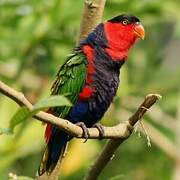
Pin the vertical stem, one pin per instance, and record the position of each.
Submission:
(91, 17)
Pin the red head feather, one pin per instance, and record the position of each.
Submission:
(121, 33)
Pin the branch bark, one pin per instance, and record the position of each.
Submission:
(91, 17)
(119, 131)
(122, 130)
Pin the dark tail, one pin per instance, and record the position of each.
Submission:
(54, 151)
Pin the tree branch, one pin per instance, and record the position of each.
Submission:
(121, 130)
(91, 17)
(111, 146)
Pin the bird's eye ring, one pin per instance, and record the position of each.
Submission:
(125, 22)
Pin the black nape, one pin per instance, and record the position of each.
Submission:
(120, 18)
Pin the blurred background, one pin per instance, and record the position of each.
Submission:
(35, 38)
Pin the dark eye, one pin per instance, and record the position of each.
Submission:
(125, 22)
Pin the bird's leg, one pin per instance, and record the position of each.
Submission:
(85, 130)
(100, 129)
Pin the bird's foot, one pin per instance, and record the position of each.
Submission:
(100, 129)
(85, 130)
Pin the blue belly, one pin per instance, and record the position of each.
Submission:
(81, 112)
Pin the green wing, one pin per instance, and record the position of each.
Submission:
(69, 81)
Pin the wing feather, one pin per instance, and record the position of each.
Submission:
(69, 81)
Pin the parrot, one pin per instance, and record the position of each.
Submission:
(90, 77)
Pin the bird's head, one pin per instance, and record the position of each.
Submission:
(121, 33)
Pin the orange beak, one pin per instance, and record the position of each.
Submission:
(139, 31)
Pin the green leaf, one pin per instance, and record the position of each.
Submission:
(19, 116)
(23, 114)
(52, 101)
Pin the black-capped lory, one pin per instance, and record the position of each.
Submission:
(90, 78)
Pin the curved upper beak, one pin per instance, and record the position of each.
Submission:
(139, 31)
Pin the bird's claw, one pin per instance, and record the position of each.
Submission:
(100, 129)
(85, 130)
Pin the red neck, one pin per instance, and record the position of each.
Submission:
(120, 39)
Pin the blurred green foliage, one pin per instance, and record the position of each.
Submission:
(36, 36)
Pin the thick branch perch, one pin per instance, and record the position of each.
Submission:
(121, 130)
(118, 131)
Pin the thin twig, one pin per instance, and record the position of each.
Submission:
(163, 142)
